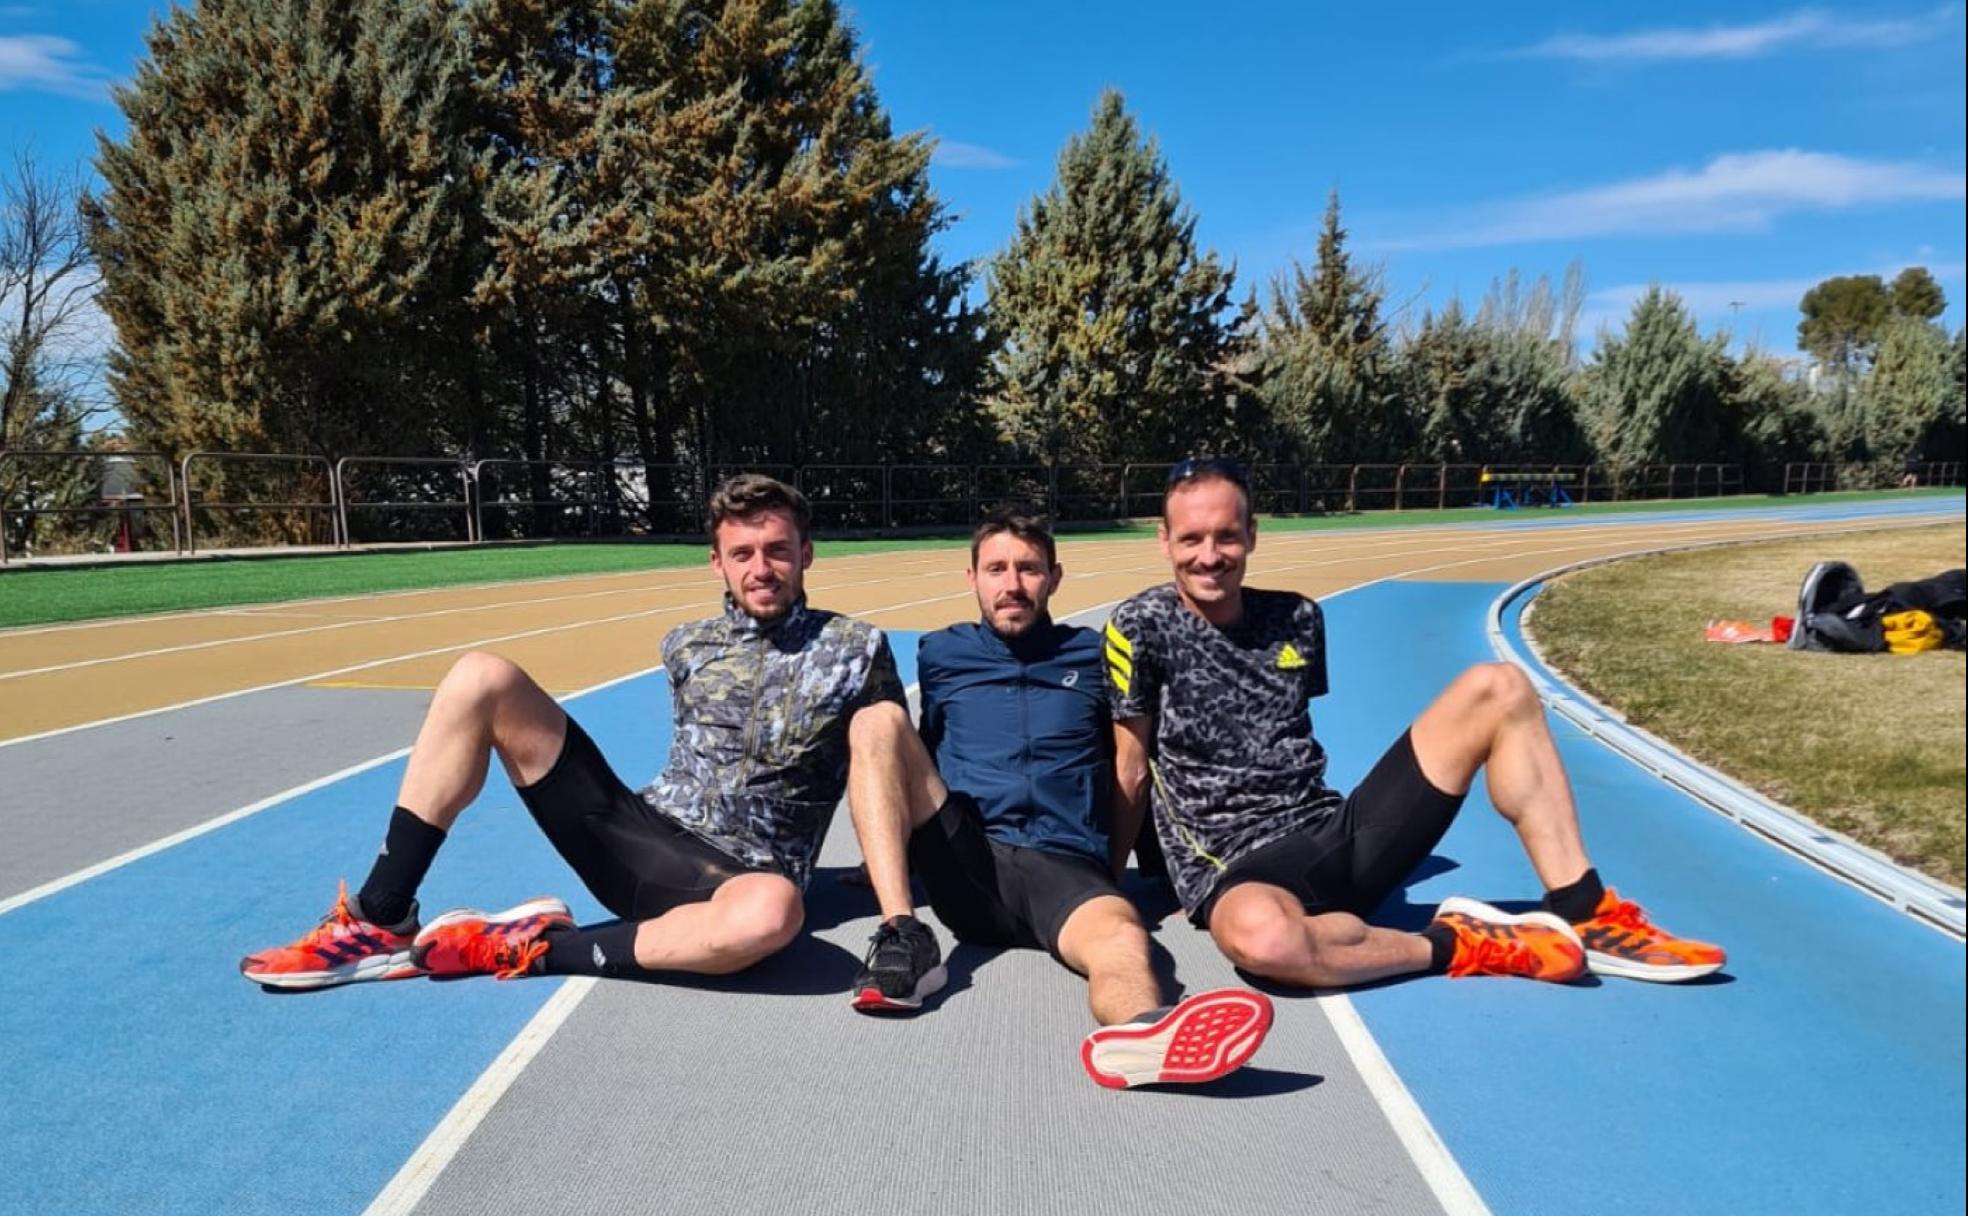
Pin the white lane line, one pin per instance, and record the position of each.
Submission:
(407, 1188)
(305, 630)
(1264, 571)
(210, 825)
(151, 618)
(336, 671)
(177, 838)
(1437, 1165)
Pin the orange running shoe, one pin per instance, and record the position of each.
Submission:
(1209, 1035)
(1490, 941)
(1620, 940)
(506, 944)
(342, 949)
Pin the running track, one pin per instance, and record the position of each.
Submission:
(1824, 1075)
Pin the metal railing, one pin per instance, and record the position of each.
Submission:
(1822, 477)
(251, 499)
(116, 503)
(276, 514)
(397, 485)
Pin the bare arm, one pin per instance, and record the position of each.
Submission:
(1130, 788)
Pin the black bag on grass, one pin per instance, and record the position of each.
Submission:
(1836, 612)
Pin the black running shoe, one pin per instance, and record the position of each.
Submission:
(903, 966)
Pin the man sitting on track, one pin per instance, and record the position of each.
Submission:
(778, 707)
(1014, 712)
(1210, 685)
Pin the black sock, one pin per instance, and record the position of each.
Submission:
(606, 950)
(1441, 948)
(390, 891)
(1578, 901)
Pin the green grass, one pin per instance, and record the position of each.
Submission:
(48, 595)
(1869, 745)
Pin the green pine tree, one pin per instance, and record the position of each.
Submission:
(1114, 341)
(771, 242)
(1910, 392)
(281, 230)
(1326, 359)
(1650, 392)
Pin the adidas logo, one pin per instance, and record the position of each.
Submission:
(1289, 659)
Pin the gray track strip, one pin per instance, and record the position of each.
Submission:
(767, 1091)
(72, 800)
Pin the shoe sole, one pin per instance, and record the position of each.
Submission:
(1482, 911)
(1627, 969)
(871, 999)
(545, 906)
(398, 966)
(1206, 1037)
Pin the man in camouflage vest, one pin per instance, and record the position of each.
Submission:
(779, 709)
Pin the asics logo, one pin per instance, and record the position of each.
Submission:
(1072, 678)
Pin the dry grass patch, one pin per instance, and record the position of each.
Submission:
(1869, 745)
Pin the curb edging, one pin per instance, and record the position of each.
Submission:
(1932, 903)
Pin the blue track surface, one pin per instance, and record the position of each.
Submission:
(142, 1074)
(1825, 1075)
(1925, 504)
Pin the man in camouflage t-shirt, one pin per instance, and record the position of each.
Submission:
(775, 705)
(1210, 682)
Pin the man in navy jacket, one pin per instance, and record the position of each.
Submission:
(1023, 852)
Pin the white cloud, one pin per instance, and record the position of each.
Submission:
(1738, 192)
(1806, 28)
(44, 63)
(954, 155)
(1725, 302)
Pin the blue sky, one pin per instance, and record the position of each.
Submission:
(1737, 157)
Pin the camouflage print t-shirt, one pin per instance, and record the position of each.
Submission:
(1233, 759)
(759, 758)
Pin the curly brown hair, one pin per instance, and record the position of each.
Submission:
(748, 494)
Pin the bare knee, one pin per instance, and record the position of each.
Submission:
(1119, 944)
(764, 922)
(1501, 687)
(1260, 936)
(481, 678)
(877, 725)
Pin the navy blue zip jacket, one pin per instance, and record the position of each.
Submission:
(1022, 726)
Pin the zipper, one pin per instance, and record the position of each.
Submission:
(1025, 739)
(751, 720)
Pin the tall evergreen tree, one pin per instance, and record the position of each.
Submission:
(1765, 417)
(1910, 391)
(1915, 294)
(774, 264)
(1326, 361)
(1111, 318)
(1498, 389)
(1650, 392)
(1842, 316)
(281, 228)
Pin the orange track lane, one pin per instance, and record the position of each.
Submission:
(576, 632)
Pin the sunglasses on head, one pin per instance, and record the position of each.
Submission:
(1209, 466)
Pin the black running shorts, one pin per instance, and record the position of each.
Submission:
(994, 894)
(1352, 859)
(637, 861)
